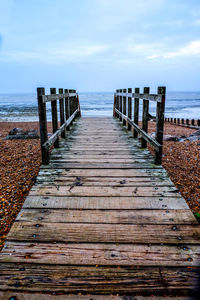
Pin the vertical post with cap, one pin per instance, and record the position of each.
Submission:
(54, 116)
(114, 106)
(43, 125)
(67, 107)
(78, 106)
(160, 123)
(136, 112)
(117, 104)
(71, 104)
(120, 104)
(145, 117)
(62, 115)
(129, 107)
(124, 106)
(74, 102)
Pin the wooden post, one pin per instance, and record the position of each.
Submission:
(117, 104)
(198, 122)
(120, 104)
(187, 121)
(129, 108)
(114, 106)
(62, 116)
(71, 101)
(171, 120)
(136, 112)
(160, 124)
(182, 121)
(175, 120)
(67, 108)
(124, 107)
(75, 103)
(54, 116)
(178, 120)
(145, 117)
(78, 106)
(43, 125)
(193, 122)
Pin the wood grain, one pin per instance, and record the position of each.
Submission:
(101, 219)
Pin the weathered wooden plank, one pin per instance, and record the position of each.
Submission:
(99, 280)
(100, 254)
(104, 216)
(99, 232)
(104, 172)
(98, 181)
(36, 296)
(100, 153)
(136, 165)
(103, 191)
(100, 160)
(107, 179)
(105, 202)
(112, 158)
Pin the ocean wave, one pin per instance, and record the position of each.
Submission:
(24, 107)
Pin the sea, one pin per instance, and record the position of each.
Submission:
(23, 107)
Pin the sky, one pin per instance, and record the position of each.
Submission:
(99, 45)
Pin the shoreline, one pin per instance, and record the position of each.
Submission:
(20, 161)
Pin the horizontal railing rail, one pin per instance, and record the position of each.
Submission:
(69, 110)
(123, 110)
(48, 98)
(150, 97)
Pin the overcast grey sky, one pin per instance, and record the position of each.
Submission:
(99, 45)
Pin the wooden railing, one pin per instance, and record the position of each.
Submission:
(184, 122)
(69, 110)
(123, 111)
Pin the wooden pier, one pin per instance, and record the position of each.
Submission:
(103, 221)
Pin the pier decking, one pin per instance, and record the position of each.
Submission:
(102, 219)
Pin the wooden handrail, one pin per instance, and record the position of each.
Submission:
(123, 100)
(144, 96)
(147, 137)
(48, 98)
(69, 110)
(53, 138)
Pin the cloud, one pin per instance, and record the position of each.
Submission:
(62, 54)
(193, 48)
(197, 22)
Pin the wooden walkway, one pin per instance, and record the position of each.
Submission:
(101, 219)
